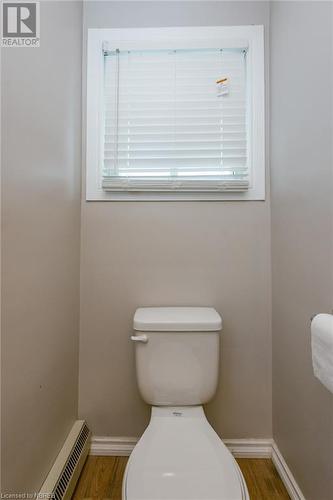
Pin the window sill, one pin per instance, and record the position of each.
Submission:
(249, 195)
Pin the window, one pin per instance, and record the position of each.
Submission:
(175, 113)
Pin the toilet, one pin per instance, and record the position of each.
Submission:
(179, 456)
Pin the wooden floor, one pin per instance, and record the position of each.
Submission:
(102, 478)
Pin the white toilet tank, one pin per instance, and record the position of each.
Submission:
(177, 354)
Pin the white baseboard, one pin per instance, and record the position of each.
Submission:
(250, 448)
(112, 446)
(123, 446)
(286, 475)
(240, 448)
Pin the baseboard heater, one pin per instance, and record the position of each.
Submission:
(62, 478)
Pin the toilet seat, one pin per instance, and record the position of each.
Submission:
(180, 457)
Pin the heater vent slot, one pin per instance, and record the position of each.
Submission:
(67, 473)
(64, 474)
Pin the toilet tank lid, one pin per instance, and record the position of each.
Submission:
(177, 319)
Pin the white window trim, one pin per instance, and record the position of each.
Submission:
(226, 36)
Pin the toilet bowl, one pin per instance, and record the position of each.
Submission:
(179, 456)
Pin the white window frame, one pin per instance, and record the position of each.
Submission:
(222, 37)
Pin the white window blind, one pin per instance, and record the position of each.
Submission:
(166, 129)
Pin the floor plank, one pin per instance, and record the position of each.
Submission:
(101, 479)
(262, 479)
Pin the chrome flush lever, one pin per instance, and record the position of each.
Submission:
(140, 338)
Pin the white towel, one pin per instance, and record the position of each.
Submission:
(322, 349)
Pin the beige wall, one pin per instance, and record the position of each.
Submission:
(302, 235)
(40, 234)
(204, 253)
